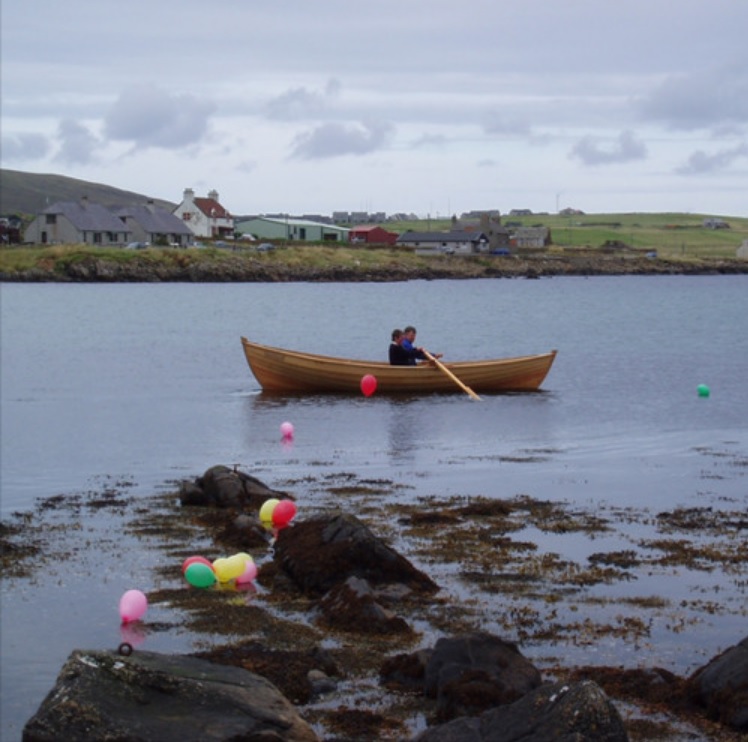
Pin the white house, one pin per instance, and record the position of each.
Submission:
(205, 216)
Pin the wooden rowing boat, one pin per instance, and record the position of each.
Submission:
(287, 371)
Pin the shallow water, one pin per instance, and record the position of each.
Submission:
(147, 383)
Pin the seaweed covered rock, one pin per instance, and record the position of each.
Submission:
(103, 695)
(578, 711)
(326, 550)
(721, 686)
(223, 487)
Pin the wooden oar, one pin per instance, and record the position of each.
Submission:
(445, 370)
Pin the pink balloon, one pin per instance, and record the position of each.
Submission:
(286, 430)
(132, 606)
(368, 385)
(249, 574)
(283, 513)
(195, 560)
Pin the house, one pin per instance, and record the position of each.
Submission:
(716, 224)
(489, 224)
(205, 217)
(290, 229)
(71, 222)
(148, 223)
(435, 243)
(372, 235)
(531, 237)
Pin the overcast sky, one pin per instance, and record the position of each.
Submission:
(422, 106)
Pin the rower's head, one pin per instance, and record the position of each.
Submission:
(397, 336)
(410, 333)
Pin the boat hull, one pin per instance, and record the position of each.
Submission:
(290, 372)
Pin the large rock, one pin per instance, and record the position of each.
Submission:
(102, 695)
(324, 551)
(466, 674)
(352, 606)
(469, 674)
(577, 712)
(227, 488)
(722, 686)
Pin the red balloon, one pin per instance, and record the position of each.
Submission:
(193, 559)
(283, 513)
(368, 385)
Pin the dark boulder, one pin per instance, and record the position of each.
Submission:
(352, 606)
(222, 487)
(324, 551)
(102, 695)
(577, 712)
(469, 674)
(721, 686)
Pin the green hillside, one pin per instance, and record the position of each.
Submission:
(28, 193)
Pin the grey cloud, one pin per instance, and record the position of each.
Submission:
(430, 140)
(77, 143)
(19, 147)
(497, 123)
(151, 117)
(301, 103)
(700, 162)
(712, 97)
(334, 140)
(591, 152)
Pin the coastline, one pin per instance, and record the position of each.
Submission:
(242, 268)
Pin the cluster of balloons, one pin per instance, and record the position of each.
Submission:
(277, 514)
(200, 572)
(132, 606)
(368, 385)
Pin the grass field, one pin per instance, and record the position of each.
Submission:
(673, 236)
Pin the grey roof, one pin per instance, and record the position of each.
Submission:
(88, 217)
(154, 221)
(442, 237)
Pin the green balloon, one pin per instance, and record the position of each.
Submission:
(200, 575)
(703, 390)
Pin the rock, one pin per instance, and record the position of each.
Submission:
(406, 672)
(148, 696)
(560, 712)
(721, 686)
(322, 552)
(352, 606)
(469, 674)
(227, 488)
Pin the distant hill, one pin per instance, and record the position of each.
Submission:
(29, 193)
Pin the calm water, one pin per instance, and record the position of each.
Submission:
(149, 383)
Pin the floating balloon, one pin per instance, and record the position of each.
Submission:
(703, 390)
(228, 568)
(286, 429)
(200, 575)
(368, 385)
(249, 574)
(132, 606)
(266, 511)
(284, 513)
(194, 560)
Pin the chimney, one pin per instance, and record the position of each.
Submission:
(213, 194)
(189, 194)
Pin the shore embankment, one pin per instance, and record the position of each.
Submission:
(310, 264)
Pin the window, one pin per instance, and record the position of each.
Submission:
(51, 219)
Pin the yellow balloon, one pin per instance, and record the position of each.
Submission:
(235, 566)
(222, 570)
(266, 511)
(245, 556)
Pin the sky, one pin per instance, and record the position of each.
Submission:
(421, 107)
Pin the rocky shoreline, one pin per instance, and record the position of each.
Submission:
(354, 636)
(240, 268)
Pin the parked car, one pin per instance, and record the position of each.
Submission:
(265, 246)
(501, 251)
(138, 245)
